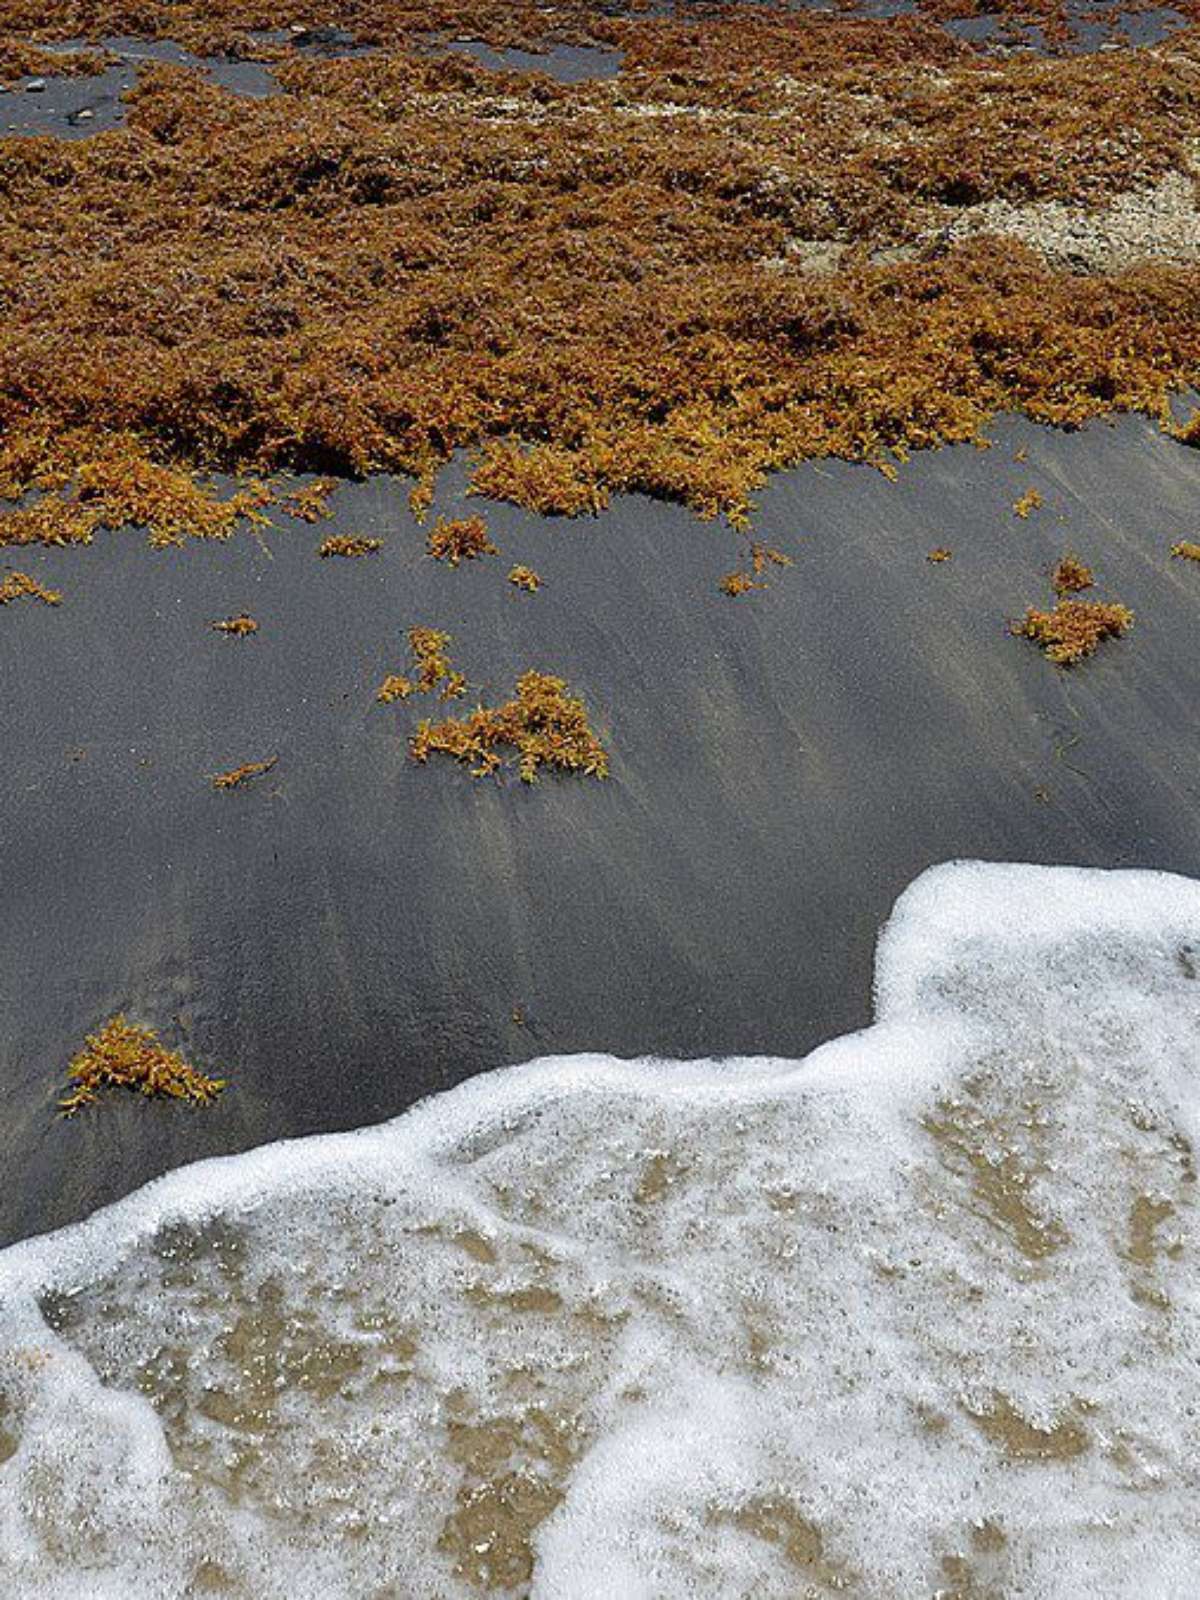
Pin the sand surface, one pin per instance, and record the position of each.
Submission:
(353, 932)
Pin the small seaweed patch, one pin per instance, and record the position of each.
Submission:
(238, 627)
(543, 726)
(432, 667)
(394, 687)
(1074, 628)
(344, 544)
(1028, 502)
(736, 583)
(463, 539)
(311, 504)
(1186, 549)
(15, 585)
(525, 578)
(764, 555)
(761, 557)
(939, 554)
(123, 1055)
(420, 496)
(242, 774)
(1071, 575)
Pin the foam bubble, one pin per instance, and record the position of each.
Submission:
(916, 1315)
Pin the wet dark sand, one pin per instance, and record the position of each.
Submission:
(77, 108)
(354, 931)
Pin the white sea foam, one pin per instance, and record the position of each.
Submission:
(915, 1316)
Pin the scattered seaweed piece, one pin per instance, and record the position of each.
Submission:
(394, 687)
(1028, 502)
(239, 627)
(433, 669)
(242, 774)
(525, 578)
(14, 585)
(461, 539)
(345, 544)
(420, 496)
(1189, 433)
(764, 555)
(1071, 576)
(429, 652)
(543, 725)
(735, 583)
(940, 554)
(1074, 628)
(1187, 549)
(311, 503)
(122, 1055)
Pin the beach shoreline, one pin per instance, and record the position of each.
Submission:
(352, 932)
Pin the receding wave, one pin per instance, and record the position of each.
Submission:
(914, 1316)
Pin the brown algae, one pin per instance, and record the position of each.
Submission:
(16, 585)
(463, 539)
(736, 583)
(432, 667)
(123, 1055)
(542, 726)
(1070, 576)
(1074, 628)
(243, 774)
(344, 544)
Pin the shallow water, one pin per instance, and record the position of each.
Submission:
(916, 1315)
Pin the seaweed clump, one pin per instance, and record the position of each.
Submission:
(463, 539)
(432, 667)
(242, 774)
(543, 725)
(92, 481)
(122, 1055)
(762, 556)
(238, 627)
(1187, 549)
(14, 585)
(1074, 628)
(311, 504)
(1028, 502)
(735, 583)
(1071, 576)
(939, 554)
(675, 288)
(525, 578)
(20, 59)
(345, 544)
